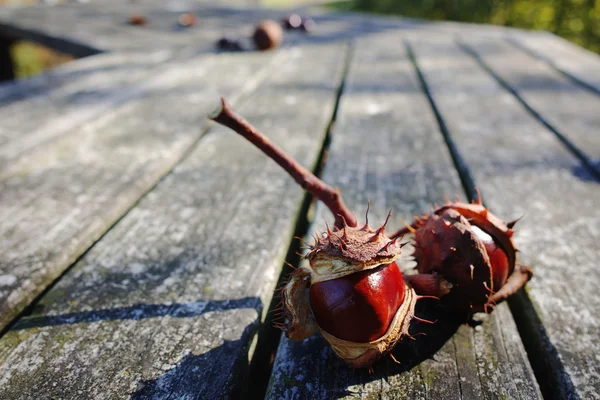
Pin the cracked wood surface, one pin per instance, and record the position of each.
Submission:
(147, 303)
(386, 147)
(91, 176)
(563, 104)
(167, 303)
(575, 61)
(523, 170)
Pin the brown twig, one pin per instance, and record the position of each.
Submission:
(331, 197)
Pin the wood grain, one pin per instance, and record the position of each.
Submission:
(564, 106)
(386, 147)
(522, 170)
(574, 61)
(58, 200)
(167, 303)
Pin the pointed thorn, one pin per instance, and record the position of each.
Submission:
(426, 321)
(472, 270)
(510, 232)
(345, 234)
(343, 219)
(410, 228)
(512, 223)
(328, 229)
(367, 213)
(447, 200)
(478, 200)
(290, 265)
(427, 297)
(484, 213)
(485, 285)
(394, 358)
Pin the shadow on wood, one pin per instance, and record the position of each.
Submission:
(141, 311)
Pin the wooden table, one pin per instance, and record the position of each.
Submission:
(140, 245)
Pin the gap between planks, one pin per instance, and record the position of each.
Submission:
(572, 147)
(544, 358)
(266, 342)
(236, 98)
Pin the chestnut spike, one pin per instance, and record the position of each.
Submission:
(447, 200)
(344, 223)
(386, 247)
(478, 200)
(329, 233)
(379, 233)
(290, 265)
(485, 285)
(512, 223)
(425, 321)
(366, 227)
(304, 242)
(427, 297)
(225, 115)
(394, 359)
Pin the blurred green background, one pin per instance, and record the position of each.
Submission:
(575, 20)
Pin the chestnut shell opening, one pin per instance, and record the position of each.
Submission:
(358, 307)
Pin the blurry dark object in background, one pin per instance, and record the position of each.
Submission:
(186, 20)
(268, 35)
(137, 20)
(292, 21)
(229, 44)
(296, 22)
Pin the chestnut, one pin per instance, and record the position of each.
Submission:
(267, 35)
(471, 248)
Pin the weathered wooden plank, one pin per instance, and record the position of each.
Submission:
(561, 104)
(167, 303)
(581, 65)
(522, 169)
(387, 147)
(59, 101)
(57, 200)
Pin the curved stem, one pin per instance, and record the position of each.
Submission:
(228, 117)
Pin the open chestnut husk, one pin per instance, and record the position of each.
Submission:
(469, 247)
(353, 292)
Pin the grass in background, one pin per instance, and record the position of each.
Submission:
(575, 20)
(30, 59)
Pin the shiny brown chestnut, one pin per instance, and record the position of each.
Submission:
(267, 35)
(358, 307)
(138, 20)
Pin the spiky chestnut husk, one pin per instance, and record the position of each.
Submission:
(472, 249)
(353, 293)
(352, 290)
